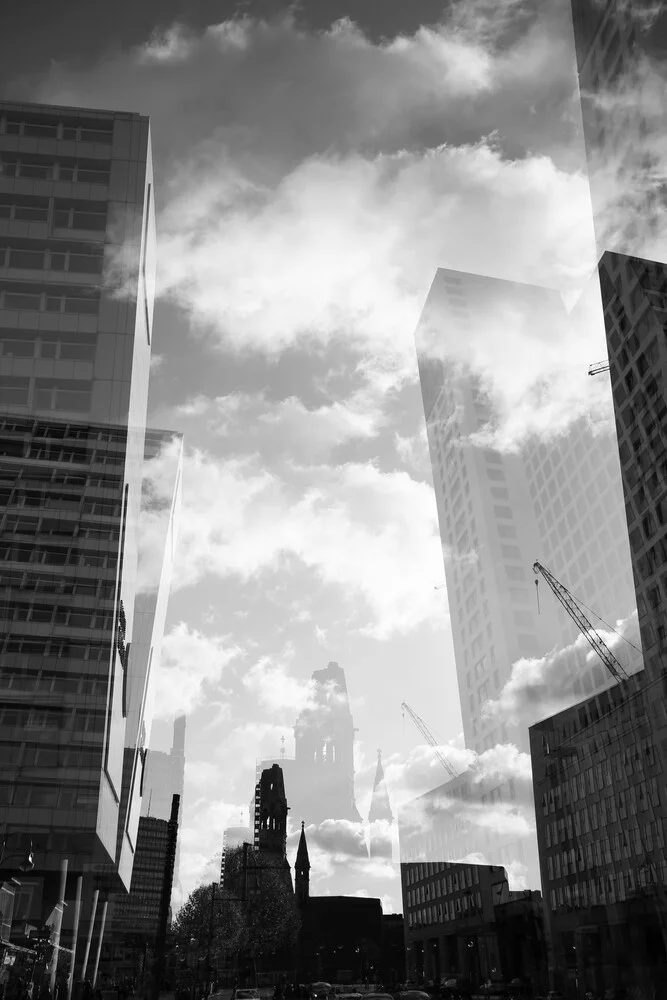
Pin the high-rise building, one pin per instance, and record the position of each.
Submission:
(635, 311)
(233, 837)
(500, 511)
(77, 282)
(615, 42)
(133, 925)
(164, 774)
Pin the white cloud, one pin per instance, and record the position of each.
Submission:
(275, 689)
(371, 535)
(288, 424)
(191, 664)
(539, 688)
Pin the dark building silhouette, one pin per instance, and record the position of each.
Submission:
(380, 817)
(302, 871)
(341, 937)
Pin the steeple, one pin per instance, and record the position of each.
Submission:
(380, 816)
(380, 805)
(302, 870)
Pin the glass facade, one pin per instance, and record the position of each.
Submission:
(81, 627)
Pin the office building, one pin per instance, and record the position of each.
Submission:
(500, 511)
(129, 944)
(77, 275)
(615, 44)
(635, 310)
(462, 922)
(233, 837)
(600, 816)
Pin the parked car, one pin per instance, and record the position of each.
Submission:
(317, 991)
(246, 995)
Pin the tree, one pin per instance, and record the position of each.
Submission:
(270, 914)
(254, 914)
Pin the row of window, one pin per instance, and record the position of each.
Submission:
(53, 346)
(54, 500)
(631, 760)
(46, 680)
(44, 168)
(70, 129)
(460, 876)
(49, 796)
(629, 842)
(86, 260)
(34, 476)
(53, 614)
(66, 396)
(596, 815)
(57, 584)
(88, 217)
(77, 720)
(39, 555)
(69, 302)
(19, 524)
(603, 890)
(62, 430)
(70, 649)
(450, 909)
(34, 451)
(38, 755)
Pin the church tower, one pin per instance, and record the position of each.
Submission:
(271, 813)
(302, 871)
(380, 817)
(324, 751)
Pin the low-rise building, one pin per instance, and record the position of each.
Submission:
(600, 811)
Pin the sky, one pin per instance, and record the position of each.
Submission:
(314, 166)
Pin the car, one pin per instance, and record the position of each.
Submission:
(412, 995)
(319, 990)
(246, 995)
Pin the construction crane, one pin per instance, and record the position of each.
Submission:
(615, 668)
(430, 739)
(598, 368)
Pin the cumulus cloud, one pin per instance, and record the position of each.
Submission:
(286, 226)
(259, 86)
(191, 663)
(288, 425)
(541, 687)
(275, 689)
(371, 535)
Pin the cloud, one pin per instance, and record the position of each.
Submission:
(288, 425)
(191, 664)
(259, 87)
(539, 688)
(275, 690)
(371, 535)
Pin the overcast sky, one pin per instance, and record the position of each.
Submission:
(313, 168)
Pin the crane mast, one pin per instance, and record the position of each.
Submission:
(430, 739)
(615, 668)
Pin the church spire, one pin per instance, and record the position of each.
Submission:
(380, 805)
(302, 870)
